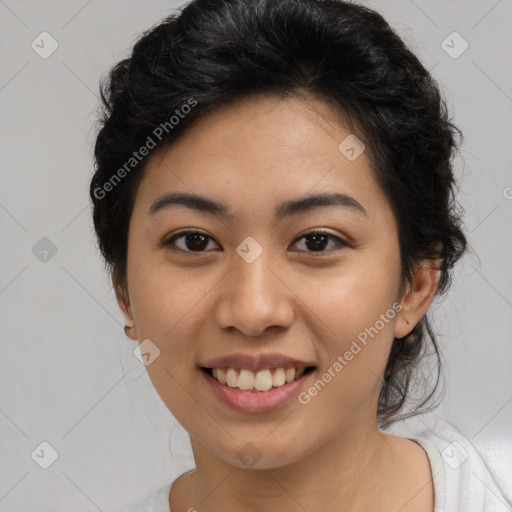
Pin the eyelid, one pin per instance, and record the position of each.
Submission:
(169, 241)
(340, 241)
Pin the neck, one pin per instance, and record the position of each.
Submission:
(350, 469)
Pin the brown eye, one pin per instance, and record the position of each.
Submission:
(190, 241)
(318, 241)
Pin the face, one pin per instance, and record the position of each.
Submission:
(259, 270)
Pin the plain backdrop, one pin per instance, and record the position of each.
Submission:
(69, 375)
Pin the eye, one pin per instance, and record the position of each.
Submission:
(196, 241)
(318, 241)
(189, 241)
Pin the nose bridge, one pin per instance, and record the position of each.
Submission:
(253, 279)
(255, 297)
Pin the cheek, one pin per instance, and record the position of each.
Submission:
(361, 322)
(167, 298)
(355, 309)
(166, 305)
(352, 298)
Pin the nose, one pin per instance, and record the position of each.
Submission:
(255, 297)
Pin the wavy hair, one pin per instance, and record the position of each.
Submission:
(218, 51)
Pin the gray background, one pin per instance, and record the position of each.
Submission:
(69, 376)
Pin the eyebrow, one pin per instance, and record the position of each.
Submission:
(286, 209)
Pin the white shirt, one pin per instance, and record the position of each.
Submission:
(462, 480)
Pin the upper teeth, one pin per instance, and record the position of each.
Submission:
(262, 380)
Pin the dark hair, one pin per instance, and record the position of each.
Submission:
(215, 52)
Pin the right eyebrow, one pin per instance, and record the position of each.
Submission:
(192, 201)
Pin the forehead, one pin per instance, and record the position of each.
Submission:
(260, 150)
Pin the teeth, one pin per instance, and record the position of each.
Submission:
(232, 378)
(221, 376)
(246, 380)
(262, 380)
(278, 379)
(290, 374)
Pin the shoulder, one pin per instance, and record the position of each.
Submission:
(462, 479)
(156, 502)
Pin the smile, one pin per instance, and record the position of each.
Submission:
(256, 381)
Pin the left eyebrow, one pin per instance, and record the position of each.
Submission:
(311, 202)
(286, 209)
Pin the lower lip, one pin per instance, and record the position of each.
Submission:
(255, 402)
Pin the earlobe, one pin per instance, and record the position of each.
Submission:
(417, 298)
(124, 304)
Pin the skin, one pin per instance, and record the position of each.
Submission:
(253, 155)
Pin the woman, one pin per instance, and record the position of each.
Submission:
(274, 199)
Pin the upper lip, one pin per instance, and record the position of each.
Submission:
(255, 363)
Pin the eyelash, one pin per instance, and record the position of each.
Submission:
(342, 243)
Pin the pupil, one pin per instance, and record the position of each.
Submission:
(318, 239)
(196, 241)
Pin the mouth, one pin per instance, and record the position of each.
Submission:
(260, 381)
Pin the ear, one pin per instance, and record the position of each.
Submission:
(123, 300)
(417, 297)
